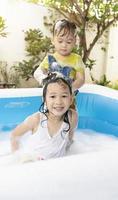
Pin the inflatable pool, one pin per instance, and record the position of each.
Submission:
(97, 107)
(88, 175)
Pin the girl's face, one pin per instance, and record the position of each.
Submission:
(64, 43)
(58, 98)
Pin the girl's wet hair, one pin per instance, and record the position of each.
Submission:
(52, 78)
(61, 81)
(65, 25)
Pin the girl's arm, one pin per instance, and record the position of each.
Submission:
(74, 123)
(29, 124)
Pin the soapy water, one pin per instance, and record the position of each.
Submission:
(84, 142)
(91, 141)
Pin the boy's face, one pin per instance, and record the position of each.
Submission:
(64, 43)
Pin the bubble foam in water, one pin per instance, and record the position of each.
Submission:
(89, 141)
(83, 142)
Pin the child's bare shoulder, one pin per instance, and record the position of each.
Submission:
(33, 119)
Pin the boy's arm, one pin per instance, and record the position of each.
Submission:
(40, 74)
(42, 71)
(79, 81)
(80, 73)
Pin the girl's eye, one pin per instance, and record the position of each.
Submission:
(64, 96)
(52, 97)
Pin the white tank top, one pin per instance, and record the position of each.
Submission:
(44, 145)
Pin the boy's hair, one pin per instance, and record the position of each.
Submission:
(65, 25)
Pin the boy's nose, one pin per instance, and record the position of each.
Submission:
(64, 44)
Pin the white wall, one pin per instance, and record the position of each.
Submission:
(98, 55)
(20, 16)
(112, 58)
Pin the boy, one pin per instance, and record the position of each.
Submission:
(63, 61)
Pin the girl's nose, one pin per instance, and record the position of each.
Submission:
(58, 100)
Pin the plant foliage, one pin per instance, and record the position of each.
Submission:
(88, 15)
(2, 27)
(37, 47)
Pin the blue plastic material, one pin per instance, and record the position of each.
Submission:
(97, 112)
(14, 110)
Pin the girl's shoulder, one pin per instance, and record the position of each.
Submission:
(35, 116)
(33, 119)
(38, 117)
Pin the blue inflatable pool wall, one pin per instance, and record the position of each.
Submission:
(98, 113)
(97, 107)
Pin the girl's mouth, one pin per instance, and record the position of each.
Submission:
(59, 108)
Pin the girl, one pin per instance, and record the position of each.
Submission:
(51, 129)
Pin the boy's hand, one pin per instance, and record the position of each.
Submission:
(50, 76)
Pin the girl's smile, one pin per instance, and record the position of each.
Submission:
(58, 98)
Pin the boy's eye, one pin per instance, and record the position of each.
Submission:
(60, 41)
(69, 41)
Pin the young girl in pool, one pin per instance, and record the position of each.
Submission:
(52, 128)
